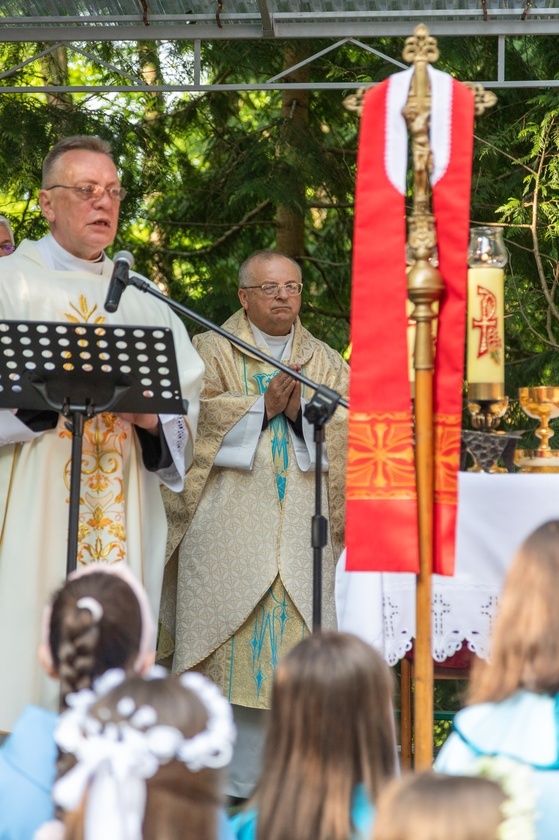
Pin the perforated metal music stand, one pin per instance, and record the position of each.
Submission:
(80, 370)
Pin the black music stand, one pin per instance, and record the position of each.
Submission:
(80, 370)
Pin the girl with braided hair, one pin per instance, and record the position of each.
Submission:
(99, 619)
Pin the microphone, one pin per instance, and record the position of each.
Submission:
(123, 261)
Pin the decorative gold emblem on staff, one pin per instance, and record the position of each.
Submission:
(425, 284)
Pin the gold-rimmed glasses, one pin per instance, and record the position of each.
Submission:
(273, 289)
(92, 192)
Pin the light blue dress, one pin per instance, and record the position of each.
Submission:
(525, 728)
(27, 772)
(362, 816)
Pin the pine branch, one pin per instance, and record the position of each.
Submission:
(170, 223)
(332, 291)
(317, 261)
(227, 235)
(327, 205)
(535, 240)
(318, 310)
(505, 154)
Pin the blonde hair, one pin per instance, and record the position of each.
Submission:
(330, 728)
(525, 643)
(429, 806)
(181, 804)
(79, 142)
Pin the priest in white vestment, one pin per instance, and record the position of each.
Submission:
(65, 277)
(237, 592)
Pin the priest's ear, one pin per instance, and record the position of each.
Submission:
(244, 299)
(46, 205)
(45, 658)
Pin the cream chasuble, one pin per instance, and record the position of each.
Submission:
(238, 586)
(121, 511)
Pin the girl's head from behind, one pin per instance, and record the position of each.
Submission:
(525, 644)
(330, 729)
(429, 806)
(99, 619)
(332, 700)
(149, 753)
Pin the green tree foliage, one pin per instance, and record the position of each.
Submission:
(244, 161)
(31, 123)
(212, 175)
(514, 183)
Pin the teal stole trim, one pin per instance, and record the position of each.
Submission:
(272, 614)
(279, 437)
(279, 432)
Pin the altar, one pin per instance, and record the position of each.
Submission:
(495, 514)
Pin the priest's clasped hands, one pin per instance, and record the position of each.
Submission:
(283, 394)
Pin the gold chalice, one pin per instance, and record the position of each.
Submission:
(540, 403)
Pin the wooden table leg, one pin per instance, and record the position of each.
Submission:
(405, 715)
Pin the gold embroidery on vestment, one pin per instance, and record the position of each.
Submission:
(101, 528)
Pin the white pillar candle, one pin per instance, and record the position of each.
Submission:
(486, 326)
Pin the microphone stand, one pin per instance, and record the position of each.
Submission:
(318, 411)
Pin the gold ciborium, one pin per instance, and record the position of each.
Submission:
(486, 412)
(540, 403)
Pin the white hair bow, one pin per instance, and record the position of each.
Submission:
(114, 769)
(114, 758)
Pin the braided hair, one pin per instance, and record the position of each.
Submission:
(84, 645)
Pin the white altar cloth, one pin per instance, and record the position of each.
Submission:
(495, 514)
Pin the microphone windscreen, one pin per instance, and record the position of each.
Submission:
(126, 256)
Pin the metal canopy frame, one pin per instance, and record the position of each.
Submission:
(75, 23)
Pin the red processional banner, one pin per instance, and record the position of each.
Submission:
(381, 529)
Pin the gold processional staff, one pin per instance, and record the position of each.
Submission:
(425, 288)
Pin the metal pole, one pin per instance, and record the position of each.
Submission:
(78, 422)
(425, 286)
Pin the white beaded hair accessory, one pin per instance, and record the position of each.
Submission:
(114, 758)
(93, 605)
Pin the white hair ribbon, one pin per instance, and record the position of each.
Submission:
(115, 757)
(114, 773)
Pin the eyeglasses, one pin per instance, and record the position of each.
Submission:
(7, 249)
(93, 192)
(273, 289)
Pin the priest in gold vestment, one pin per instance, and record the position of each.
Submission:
(237, 591)
(65, 277)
